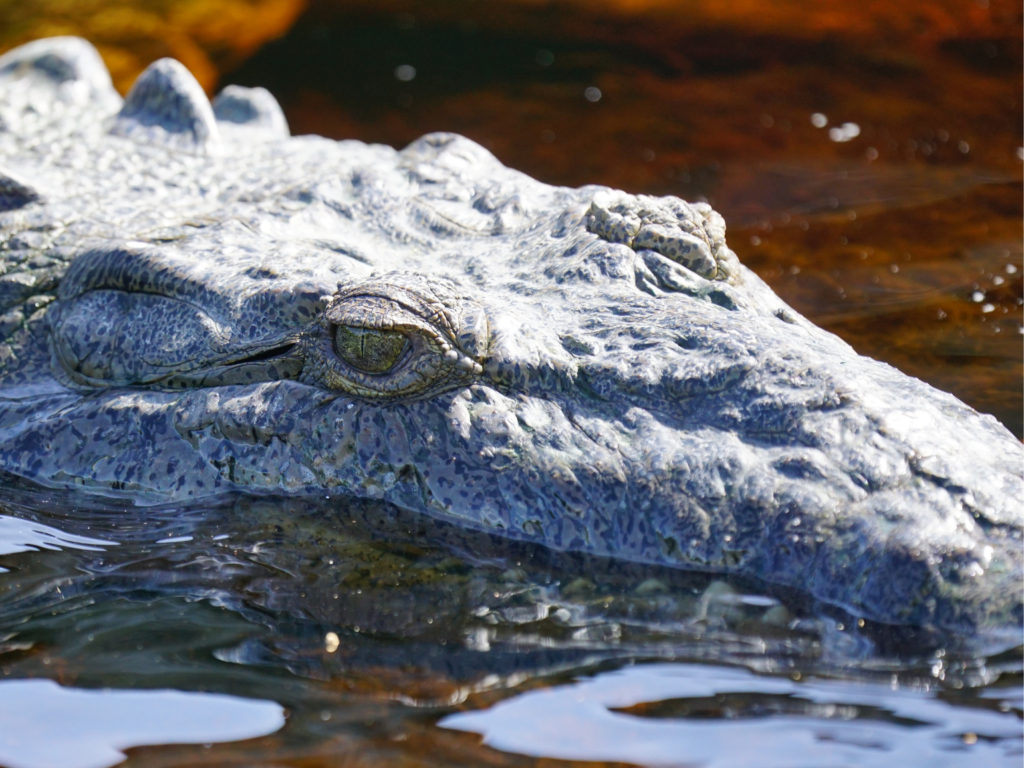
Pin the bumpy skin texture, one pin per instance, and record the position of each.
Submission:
(586, 368)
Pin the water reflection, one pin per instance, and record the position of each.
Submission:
(683, 714)
(46, 725)
(369, 625)
(17, 535)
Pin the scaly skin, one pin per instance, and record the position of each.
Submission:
(578, 367)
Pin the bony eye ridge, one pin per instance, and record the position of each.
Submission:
(370, 350)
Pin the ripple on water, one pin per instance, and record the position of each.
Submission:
(47, 725)
(672, 714)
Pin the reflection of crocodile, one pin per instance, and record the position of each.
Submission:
(194, 303)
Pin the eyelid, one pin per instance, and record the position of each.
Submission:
(437, 358)
(374, 315)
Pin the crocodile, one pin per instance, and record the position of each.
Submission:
(195, 303)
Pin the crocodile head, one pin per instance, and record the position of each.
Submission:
(229, 309)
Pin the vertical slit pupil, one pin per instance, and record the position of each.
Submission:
(369, 350)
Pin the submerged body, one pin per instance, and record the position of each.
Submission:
(195, 303)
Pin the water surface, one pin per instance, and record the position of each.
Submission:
(354, 631)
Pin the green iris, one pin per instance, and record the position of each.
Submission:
(369, 350)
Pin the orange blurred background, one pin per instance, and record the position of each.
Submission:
(210, 37)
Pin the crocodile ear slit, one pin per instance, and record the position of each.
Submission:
(167, 107)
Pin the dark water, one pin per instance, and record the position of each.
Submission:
(318, 632)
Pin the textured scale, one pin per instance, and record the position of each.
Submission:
(584, 368)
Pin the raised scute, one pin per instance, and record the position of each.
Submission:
(167, 107)
(69, 65)
(451, 153)
(253, 110)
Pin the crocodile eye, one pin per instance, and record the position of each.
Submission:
(396, 338)
(369, 350)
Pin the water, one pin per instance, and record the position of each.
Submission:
(314, 631)
(867, 157)
(657, 714)
(50, 724)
